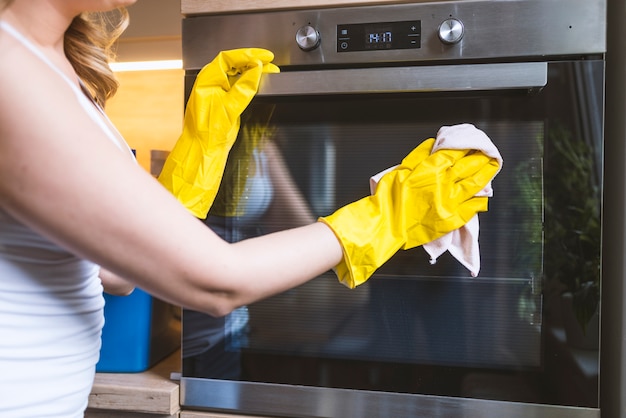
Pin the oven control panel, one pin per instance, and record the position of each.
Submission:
(407, 32)
(379, 36)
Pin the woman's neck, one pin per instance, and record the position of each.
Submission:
(44, 22)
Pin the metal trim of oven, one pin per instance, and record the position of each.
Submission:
(444, 78)
(494, 30)
(306, 401)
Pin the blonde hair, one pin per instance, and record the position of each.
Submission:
(88, 45)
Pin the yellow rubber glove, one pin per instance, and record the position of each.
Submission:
(222, 91)
(422, 199)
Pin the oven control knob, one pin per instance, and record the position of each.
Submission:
(451, 31)
(308, 38)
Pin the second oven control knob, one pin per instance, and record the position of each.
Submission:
(451, 31)
(308, 38)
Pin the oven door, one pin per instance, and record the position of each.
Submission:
(417, 339)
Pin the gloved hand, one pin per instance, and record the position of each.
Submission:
(193, 170)
(422, 199)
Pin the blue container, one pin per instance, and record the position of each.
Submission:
(139, 331)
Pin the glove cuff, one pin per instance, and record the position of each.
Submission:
(343, 270)
(366, 239)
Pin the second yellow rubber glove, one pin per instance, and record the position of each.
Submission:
(222, 91)
(422, 199)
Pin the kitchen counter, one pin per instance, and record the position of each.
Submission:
(150, 394)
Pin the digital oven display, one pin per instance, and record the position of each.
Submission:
(379, 36)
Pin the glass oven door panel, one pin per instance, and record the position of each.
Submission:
(411, 311)
(426, 321)
(417, 327)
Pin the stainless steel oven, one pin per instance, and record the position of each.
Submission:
(359, 87)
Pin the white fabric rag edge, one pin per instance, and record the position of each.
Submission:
(463, 242)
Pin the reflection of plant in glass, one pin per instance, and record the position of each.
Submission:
(528, 209)
(573, 205)
(529, 212)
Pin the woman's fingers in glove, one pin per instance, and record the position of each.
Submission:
(471, 164)
(407, 168)
(248, 82)
(240, 58)
(428, 170)
(443, 159)
(446, 222)
(471, 207)
(472, 175)
(236, 61)
(245, 87)
(230, 63)
(418, 155)
(269, 68)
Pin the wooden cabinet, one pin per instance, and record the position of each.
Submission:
(190, 7)
(150, 394)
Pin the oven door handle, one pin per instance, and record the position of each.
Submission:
(442, 78)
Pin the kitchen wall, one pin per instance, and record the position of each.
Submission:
(154, 32)
(148, 109)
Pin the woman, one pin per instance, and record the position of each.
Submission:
(74, 205)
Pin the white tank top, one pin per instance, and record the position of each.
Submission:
(51, 309)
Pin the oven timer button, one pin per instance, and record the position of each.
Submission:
(308, 38)
(451, 31)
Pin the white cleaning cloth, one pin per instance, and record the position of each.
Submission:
(463, 242)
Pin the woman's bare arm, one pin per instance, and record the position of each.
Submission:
(289, 207)
(60, 175)
(114, 284)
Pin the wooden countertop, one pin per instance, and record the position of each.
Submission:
(149, 392)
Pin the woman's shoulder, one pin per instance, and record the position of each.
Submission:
(13, 58)
(20, 69)
(17, 70)
(28, 83)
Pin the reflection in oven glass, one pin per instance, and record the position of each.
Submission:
(411, 312)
